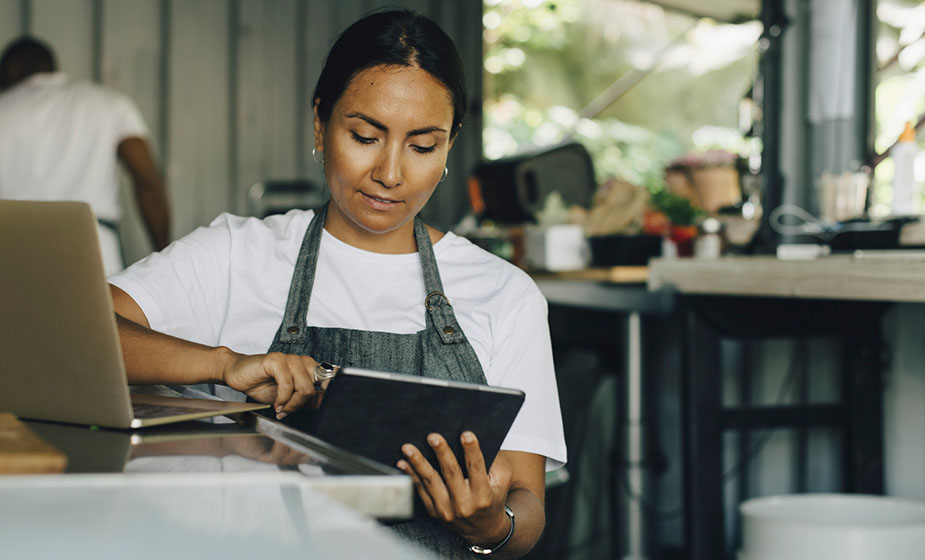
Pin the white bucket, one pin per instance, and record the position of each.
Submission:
(832, 527)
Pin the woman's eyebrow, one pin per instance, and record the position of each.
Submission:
(426, 130)
(370, 120)
(383, 128)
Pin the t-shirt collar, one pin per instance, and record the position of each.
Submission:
(47, 78)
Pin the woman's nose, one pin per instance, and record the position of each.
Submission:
(388, 171)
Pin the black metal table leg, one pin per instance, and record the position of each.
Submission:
(703, 445)
(862, 394)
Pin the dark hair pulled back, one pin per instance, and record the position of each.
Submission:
(392, 37)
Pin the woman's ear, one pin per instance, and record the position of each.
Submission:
(318, 128)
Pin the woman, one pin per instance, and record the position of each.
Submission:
(254, 306)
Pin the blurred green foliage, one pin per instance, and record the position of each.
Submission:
(679, 210)
(546, 60)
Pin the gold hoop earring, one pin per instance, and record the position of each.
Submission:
(315, 157)
(446, 172)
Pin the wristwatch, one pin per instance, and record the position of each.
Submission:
(486, 551)
(323, 372)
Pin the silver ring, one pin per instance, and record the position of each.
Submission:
(323, 372)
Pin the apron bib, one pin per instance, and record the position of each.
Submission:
(439, 350)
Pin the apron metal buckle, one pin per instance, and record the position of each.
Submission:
(435, 294)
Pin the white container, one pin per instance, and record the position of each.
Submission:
(555, 248)
(709, 243)
(832, 527)
(906, 193)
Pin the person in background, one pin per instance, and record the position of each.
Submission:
(62, 138)
(262, 308)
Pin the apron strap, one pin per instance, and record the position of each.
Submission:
(293, 326)
(439, 316)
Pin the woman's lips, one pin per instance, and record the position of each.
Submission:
(380, 198)
(379, 202)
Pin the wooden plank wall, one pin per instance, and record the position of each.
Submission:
(225, 87)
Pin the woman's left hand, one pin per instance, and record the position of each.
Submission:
(474, 506)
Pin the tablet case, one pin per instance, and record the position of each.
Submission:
(374, 413)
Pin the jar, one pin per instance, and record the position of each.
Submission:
(709, 244)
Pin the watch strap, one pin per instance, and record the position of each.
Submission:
(486, 551)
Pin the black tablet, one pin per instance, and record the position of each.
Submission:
(372, 413)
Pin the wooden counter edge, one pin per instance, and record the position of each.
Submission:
(24, 452)
(613, 274)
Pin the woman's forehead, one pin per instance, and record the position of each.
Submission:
(402, 92)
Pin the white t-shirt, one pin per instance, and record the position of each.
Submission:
(58, 141)
(227, 285)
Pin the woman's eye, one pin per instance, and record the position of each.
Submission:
(424, 149)
(362, 139)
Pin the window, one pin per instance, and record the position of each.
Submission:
(638, 84)
(900, 91)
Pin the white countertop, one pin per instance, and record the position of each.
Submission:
(184, 515)
(872, 276)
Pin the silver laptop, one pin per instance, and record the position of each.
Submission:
(60, 357)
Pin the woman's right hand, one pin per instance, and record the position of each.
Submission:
(284, 380)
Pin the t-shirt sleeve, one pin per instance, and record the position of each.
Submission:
(129, 122)
(184, 289)
(524, 361)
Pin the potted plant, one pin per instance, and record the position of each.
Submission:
(680, 219)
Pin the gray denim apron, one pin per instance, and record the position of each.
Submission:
(441, 350)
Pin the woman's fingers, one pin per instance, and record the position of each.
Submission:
(301, 371)
(405, 467)
(475, 464)
(286, 380)
(274, 366)
(319, 392)
(449, 466)
(431, 481)
(467, 498)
